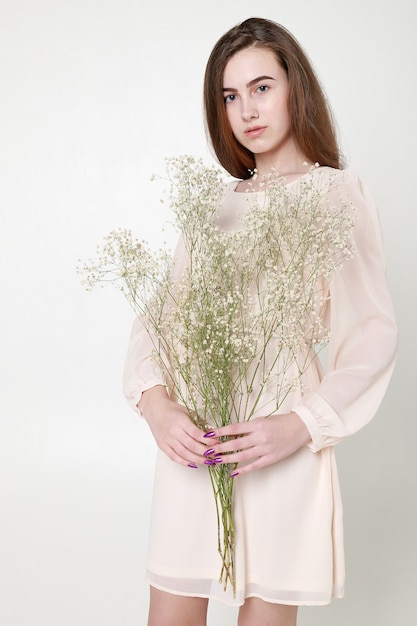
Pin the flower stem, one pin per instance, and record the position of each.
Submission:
(223, 494)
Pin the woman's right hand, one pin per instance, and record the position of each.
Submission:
(174, 432)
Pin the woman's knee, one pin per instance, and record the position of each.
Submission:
(257, 612)
(167, 609)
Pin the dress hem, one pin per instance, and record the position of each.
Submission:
(239, 601)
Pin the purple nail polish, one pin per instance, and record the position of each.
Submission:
(233, 474)
(218, 459)
(193, 465)
(208, 452)
(209, 462)
(211, 433)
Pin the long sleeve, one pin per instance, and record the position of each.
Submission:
(363, 339)
(141, 371)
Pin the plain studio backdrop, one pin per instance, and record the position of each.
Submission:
(94, 95)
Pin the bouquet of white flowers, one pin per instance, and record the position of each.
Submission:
(242, 296)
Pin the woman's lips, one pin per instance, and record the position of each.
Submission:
(255, 131)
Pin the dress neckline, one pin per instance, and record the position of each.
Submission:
(287, 184)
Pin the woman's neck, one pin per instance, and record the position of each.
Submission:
(292, 166)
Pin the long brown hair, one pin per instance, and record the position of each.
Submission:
(312, 125)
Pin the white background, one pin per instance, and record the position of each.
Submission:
(94, 95)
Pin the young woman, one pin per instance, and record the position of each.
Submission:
(265, 110)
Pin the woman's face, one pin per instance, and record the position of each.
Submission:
(256, 91)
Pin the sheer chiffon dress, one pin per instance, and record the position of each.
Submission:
(288, 516)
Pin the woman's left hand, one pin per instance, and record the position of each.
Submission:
(261, 441)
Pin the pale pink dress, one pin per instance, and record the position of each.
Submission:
(288, 516)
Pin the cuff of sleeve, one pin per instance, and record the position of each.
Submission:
(323, 423)
(135, 398)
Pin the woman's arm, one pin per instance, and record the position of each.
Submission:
(364, 335)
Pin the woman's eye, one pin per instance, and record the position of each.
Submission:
(263, 88)
(230, 98)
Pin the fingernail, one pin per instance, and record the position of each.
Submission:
(209, 462)
(211, 433)
(208, 452)
(218, 459)
(193, 465)
(233, 474)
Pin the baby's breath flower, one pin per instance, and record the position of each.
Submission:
(247, 312)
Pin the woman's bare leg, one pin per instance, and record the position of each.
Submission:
(167, 609)
(256, 612)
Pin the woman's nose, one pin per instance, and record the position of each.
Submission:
(249, 110)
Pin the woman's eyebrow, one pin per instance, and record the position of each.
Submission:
(251, 82)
